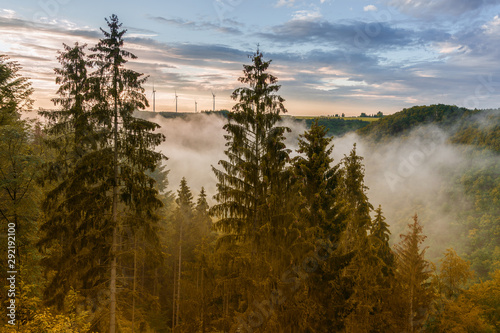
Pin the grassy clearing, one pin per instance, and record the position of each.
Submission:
(370, 119)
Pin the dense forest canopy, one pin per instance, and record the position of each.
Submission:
(292, 239)
(469, 127)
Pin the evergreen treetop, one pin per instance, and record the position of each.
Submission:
(256, 154)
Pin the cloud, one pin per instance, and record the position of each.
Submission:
(370, 8)
(287, 3)
(306, 15)
(492, 27)
(189, 68)
(7, 13)
(357, 34)
(433, 8)
(451, 47)
(383, 65)
(201, 25)
(138, 32)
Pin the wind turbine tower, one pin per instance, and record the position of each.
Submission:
(176, 101)
(195, 106)
(213, 95)
(154, 91)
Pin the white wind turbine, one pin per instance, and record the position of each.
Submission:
(154, 95)
(176, 101)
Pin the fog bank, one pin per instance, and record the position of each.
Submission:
(414, 174)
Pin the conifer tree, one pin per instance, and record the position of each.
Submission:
(204, 252)
(119, 94)
(107, 183)
(197, 278)
(183, 217)
(355, 200)
(356, 300)
(73, 206)
(413, 273)
(253, 183)
(15, 91)
(256, 153)
(201, 213)
(318, 183)
(373, 267)
(379, 237)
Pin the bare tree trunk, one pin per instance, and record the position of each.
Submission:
(202, 303)
(179, 278)
(112, 283)
(410, 317)
(134, 283)
(173, 301)
(156, 288)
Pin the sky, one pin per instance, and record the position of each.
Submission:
(330, 56)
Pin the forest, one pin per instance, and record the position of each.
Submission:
(96, 239)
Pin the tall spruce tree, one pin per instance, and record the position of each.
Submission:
(256, 154)
(413, 273)
(74, 204)
(318, 183)
(197, 247)
(183, 217)
(352, 297)
(355, 201)
(253, 183)
(203, 253)
(321, 222)
(372, 275)
(379, 238)
(119, 94)
(107, 182)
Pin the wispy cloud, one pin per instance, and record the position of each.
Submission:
(370, 8)
(198, 25)
(492, 28)
(352, 34)
(306, 15)
(7, 13)
(285, 3)
(432, 8)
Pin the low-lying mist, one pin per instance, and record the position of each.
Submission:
(413, 174)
